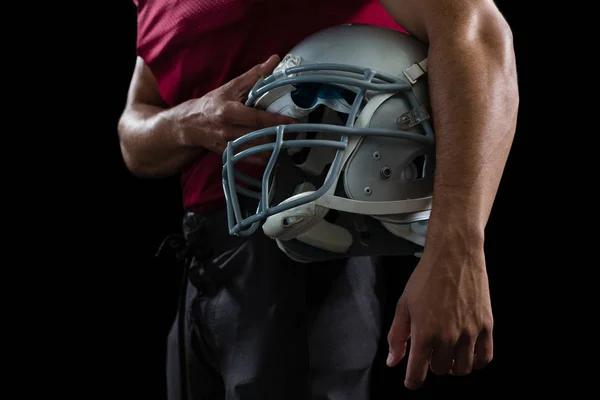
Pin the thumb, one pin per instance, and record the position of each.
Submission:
(399, 334)
(238, 87)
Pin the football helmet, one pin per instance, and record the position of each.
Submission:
(355, 175)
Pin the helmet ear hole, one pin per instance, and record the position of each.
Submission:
(410, 172)
(414, 170)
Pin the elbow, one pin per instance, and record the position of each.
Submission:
(129, 152)
(137, 165)
(142, 157)
(133, 164)
(140, 168)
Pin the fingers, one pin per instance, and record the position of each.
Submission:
(238, 88)
(444, 355)
(418, 363)
(234, 132)
(484, 349)
(261, 158)
(398, 335)
(420, 351)
(441, 359)
(258, 159)
(237, 120)
(239, 114)
(463, 356)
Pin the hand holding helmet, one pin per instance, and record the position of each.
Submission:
(220, 116)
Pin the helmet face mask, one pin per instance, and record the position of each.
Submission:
(364, 146)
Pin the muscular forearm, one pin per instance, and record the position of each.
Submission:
(474, 99)
(151, 141)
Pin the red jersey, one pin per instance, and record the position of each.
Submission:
(195, 46)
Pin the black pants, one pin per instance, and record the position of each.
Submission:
(274, 328)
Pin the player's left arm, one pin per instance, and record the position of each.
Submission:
(445, 308)
(474, 99)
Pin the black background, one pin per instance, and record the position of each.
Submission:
(129, 296)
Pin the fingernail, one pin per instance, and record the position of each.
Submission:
(390, 358)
